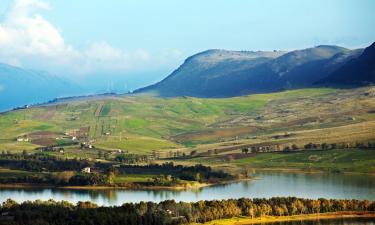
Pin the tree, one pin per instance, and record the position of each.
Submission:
(63, 177)
(9, 203)
(265, 209)
(198, 177)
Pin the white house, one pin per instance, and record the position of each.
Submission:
(86, 170)
(25, 139)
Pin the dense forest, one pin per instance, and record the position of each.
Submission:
(168, 212)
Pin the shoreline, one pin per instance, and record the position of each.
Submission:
(305, 171)
(114, 187)
(126, 186)
(302, 217)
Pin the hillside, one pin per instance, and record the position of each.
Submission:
(19, 87)
(220, 73)
(358, 71)
(141, 124)
(213, 73)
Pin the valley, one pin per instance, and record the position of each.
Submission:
(187, 112)
(306, 130)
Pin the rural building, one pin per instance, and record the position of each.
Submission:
(86, 170)
(23, 138)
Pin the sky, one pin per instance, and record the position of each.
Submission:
(82, 38)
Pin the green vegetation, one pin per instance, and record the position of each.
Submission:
(111, 130)
(105, 109)
(137, 144)
(352, 160)
(8, 173)
(127, 122)
(172, 213)
(50, 170)
(133, 178)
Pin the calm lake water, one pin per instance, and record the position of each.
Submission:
(267, 184)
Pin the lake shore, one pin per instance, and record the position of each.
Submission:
(130, 186)
(271, 219)
(308, 171)
(114, 187)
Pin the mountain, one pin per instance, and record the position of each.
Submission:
(206, 73)
(220, 73)
(20, 87)
(356, 72)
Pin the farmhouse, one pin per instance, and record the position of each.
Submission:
(86, 170)
(23, 138)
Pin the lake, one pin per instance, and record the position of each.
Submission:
(266, 185)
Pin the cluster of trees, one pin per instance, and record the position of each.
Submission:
(165, 180)
(132, 158)
(327, 146)
(308, 146)
(70, 178)
(41, 162)
(168, 212)
(191, 173)
(61, 171)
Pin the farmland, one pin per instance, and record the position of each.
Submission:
(329, 161)
(142, 124)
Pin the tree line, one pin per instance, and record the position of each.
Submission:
(56, 171)
(41, 162)
(191, 173)
(168, 212)
(66, 178)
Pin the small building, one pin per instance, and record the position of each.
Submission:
(86, 170)
(24, 138)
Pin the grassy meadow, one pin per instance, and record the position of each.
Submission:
(353, 160)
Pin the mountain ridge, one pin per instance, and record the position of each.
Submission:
(224, 73)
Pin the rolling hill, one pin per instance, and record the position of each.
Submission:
(141, 124)
(220, 73)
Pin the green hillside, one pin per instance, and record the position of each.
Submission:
(141, 124)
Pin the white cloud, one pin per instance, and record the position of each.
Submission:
(27, 39)
(24, 34)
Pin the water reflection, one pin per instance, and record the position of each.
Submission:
(266, 185)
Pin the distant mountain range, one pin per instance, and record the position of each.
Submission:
(221, 73)
(21, 87)
(212, 73)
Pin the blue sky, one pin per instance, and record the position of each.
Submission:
(149, 36)
(197, 25)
